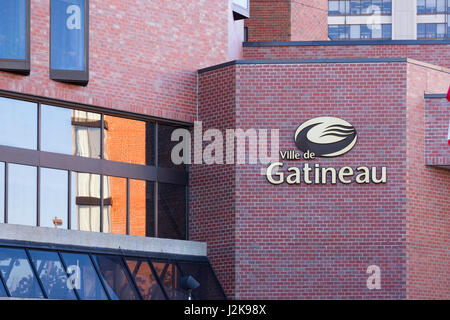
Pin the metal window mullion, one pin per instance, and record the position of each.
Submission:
(69, 200)
(155, 191)
(102, 135)
(100, 277)
(127, 270)
(6, 192)
(33, 268)
(128, 208)
(67, 273)
(101, 202)
(158, 280)
(38, 197)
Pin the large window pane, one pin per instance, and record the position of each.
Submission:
(84, 276)
(145, 280)
(171, 211)
(18, 123)
(52, 275)
(142, 212)
(2, 192)
(115, 205)
(18, 275)
(22, 194)
(129, 141)
(170, 277)
(70, 131)
(67, 35)
(13, 29)
(85, 202)
(116, 279)
(54, 198)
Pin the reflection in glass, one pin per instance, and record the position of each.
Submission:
(170, 277)
(84, 276)
(165, 146)
(2, 291)
(52, 275)
(2, 192)
(22, 194)
(142, 208)
(18, 123)
(171, 211)
(145, 280)
(54, 198)
(13, 29)
(85, 202)
(70, 131)
(114, 205)
(130, 141)
(18, 275)
(113, 272)
(209, 288)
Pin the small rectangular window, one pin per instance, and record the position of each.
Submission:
(366, 7)
(431, 30)
(69, 53)
(421, 31)
(441, 6)
(15, 36)
(22, 195)
(387, 7)
(387, 31)
(377, 31)
(430, 6)
(355, 31)
(441, 30)
(355, 7)
(333, 32)
(54, 198)
(333, 7)
(421, 6)
(85, 201)
(366, 32)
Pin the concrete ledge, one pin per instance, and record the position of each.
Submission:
(51, 236)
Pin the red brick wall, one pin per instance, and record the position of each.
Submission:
(139, 62)
(309, 20)
(435, 54)
(212, 188)
(269, 20)
(437, 117)
(309, 241)
(428, 201)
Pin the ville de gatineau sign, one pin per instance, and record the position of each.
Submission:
(323, 137)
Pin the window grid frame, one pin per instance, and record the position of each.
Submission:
(348, 9)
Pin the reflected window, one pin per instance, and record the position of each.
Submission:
(130, 141)
(71, 132)
(2, 192)
(85, 202)
(18, 275)
(85, 278)
(54, 198)
(142, 211)
(22, 194)
(18, 123)
(115, 277)
(145, 280)
(165, 146)
(171, 211)
(170, 277)
(52, 275)
(114, 205)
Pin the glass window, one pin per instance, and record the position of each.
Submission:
(165, 146)
(333, 7)
(13, 29)
(114, 205)
(18, 123)
(387, 31)
(333, 32)
(377, 6)
(344, 7)
(421, 6)
(2, 192)
(22, 194)
(84, 277)
(421, 30)
(366, 32)
(366, 6)
(441, 6)
(52, 275)
(115, 277)
(18, 275)
(130, 141)
(441, 30)
(209, 288)
(170, 277)
(430, 6)
(54, 198)
(171, 211)
(387, 7)
(85, 202)
(355, 31)
(2, 290)
(448, 7)
(78, 132)
(376, 31)
(67, 35)
(431, 30)
(145, 280)
(355, 7)
(142, 208)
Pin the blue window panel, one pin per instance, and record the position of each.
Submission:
(18, 275)
(421, 6)
(13, 25)
(2, 291)
(387, 7)
(441, 30)
(52, 274)
(333, 7)
(430, 6)
(431, 30)
(333, 32)
(387, 31)
(366, 32)
(355, 7)
(68, 35)
(366, 7)
(84, 276)
(441, 6)
(22, 191)
(54, 197)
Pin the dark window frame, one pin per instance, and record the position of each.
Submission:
(446, 35)
(41, 159)
(72, 76)
(20, 66)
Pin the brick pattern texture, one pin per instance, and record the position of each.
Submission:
(437, 117)
(309, 20)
